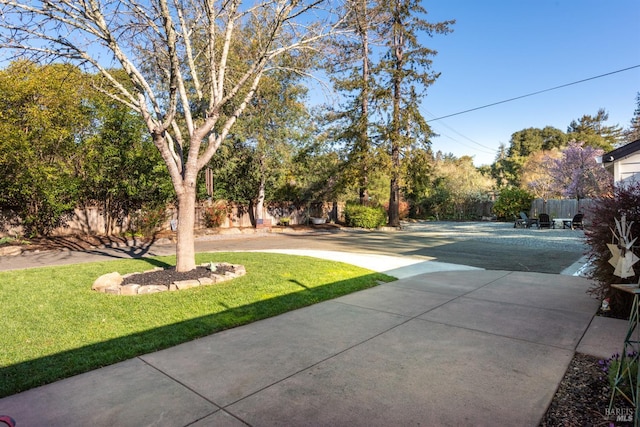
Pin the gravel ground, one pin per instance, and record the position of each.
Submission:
(494, 245)
(502, 232)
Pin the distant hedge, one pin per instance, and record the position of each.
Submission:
(511, 202)
(364, 216)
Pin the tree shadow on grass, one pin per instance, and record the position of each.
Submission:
(33, 373)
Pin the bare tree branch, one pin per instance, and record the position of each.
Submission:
(191, 74)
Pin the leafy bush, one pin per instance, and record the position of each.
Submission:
(285, 220)
(511, 202)
(602, 214)
(215, 214)
(364, 216)
(7, 240)
(146, 221)
(435, 205)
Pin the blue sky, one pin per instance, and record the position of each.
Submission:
(502, 49)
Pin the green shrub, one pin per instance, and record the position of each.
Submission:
(285, 220)
(147, 220)
(364, 216)
(511, 202)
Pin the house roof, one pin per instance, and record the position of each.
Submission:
(621, 152)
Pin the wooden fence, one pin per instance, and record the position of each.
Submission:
(92, 220)
(559, 208)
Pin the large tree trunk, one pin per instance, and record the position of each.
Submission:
(261, 191)
(394, 194)
(364, 124)
(185, 247)
(260, 202)
(364, 192)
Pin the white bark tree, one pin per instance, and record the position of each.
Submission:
(189, 82)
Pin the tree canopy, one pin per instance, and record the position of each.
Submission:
(593, 131)
(43, 112)
(633, 132)
(578, 174)
(405, 73)
(186, 80)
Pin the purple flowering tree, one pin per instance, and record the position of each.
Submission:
(578, 174)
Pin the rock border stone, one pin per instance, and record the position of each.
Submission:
(10, 250)
(111, 283)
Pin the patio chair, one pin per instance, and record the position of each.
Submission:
(525, 221)
(576, 222)
(544, 221)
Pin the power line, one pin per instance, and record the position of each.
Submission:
(468, 146)
(487, 150)
(491, 150)
(535, 93)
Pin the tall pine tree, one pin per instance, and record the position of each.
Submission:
(405, 73)
(633, 133)
(352, 78)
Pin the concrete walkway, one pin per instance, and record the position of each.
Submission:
(444, 345)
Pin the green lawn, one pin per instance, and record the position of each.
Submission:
(54, 326)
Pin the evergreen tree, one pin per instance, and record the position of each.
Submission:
(502, 168)
(633, 133)
(121, 170)
(594, 133)
(263, 143)
(352, 78)
(405, 73)
(523, 144)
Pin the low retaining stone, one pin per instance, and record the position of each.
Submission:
(111, 283)
(10, 250)
(186, 284)
(107, 281)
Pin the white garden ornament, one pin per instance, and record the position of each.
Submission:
(623, 257)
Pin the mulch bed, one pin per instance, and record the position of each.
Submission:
(582, 399)
(166, 276)
(169, 275)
